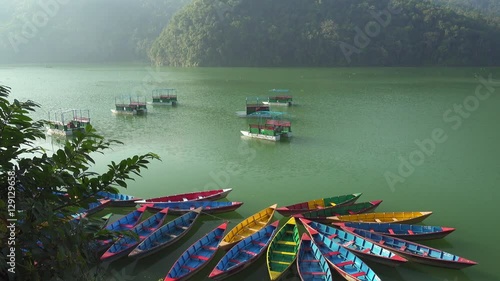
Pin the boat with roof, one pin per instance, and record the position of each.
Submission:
(280, 97)
(273, 129)
(166, 96)
(66, 123)
(130, 106)
(254, 105)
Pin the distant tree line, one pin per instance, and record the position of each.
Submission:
(331, 33)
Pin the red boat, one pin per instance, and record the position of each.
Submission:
(209, 195)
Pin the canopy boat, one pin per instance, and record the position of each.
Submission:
(164, 97)
(166, 235)
(393, 217)
(343, 261)
(412, 232)
(361, 247)
(209, 195)
(207, 207)
(326, 214)
(247, 227)
(414, 251)
(126, 244)
(282, 251)
(126, 222)
(253, 105)
(245, 252)
(311, 265)
(66, 123)
(130, 106)
(315, 204)
(281, 97)
(197, 255)
(118, 199)
(272, 130)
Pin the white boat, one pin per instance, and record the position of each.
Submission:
(261, 136)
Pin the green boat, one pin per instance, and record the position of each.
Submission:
(66, 123)
(164, 97)
(283, 97)
(130, 106)
(283, 249)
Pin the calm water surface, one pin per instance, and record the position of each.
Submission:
(352, 126)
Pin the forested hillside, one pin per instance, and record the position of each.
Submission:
(81, 30)
(331, 33)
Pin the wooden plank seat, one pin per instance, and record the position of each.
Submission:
(198, 257)
(344, 263)
(314, 273)
(358, 274)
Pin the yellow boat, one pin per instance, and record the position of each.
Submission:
(248, 227)
(389, 217)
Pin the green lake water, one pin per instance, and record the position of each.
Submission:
(352, 128)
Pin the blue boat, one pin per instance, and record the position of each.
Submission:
(414, 251)
(197, 255)
(343, 261)
(118, 199)
(126, 222)
(311, 265)
(412, 232)
(166, 235)
(361, 247)
(208, 207)
(244, 253)
(124, 245)
(92, 208)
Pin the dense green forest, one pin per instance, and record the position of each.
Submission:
(331, 33)
(252, 32)
(82, 30)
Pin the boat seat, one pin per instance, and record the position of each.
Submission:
(172, 235)
(258, 243)
(199, 257)
(410, 232)
(310, 261)
(366, 250)
(314, 273)
(127, 225)
(184, 199)
(402, 248)
(218, 237)
(200, 197)
(181, 227)
(349, 243)
(333, 236)
(249, 252)
(286, 243)
(235, 261)
(381, 242)
(188, 268)
(371, 230)
(425, 254)
(280, 262)
(377, 220)
(344, 263)
(334, 253)
(253, 229)
(209, 248)
(352, 213)
(358, 274)
(395, 219)
(390, 231)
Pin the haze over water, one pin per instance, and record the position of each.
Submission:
(352, 127)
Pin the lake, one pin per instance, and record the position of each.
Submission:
(421, 139)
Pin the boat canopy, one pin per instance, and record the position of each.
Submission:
(163, 92)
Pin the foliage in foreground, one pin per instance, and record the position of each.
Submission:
(47, 246)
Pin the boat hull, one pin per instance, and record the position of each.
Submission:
(408, 232)
(134, 112)
(278, 103)
(260, 136)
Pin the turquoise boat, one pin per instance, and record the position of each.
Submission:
(411, 232)
(311, 265)
(347, 264)
(166, 235)
(361, 247)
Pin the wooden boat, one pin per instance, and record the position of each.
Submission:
(283, 98)
(66, 123)
(393, 217)
(93, 207)
(272, 130)
(129, 106)
(412, 232)
(361, 247)
(414, 251)
(208, 195)
(118, 199)
(124, 245)
(244, 252)
(197, 255)
(166, 235)
(343, 261)
(247, 227)
(282, 251)
(315, 204)
(164, 97)
(207, 207)
(126, 222)
(325, 215)
(311, 265)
